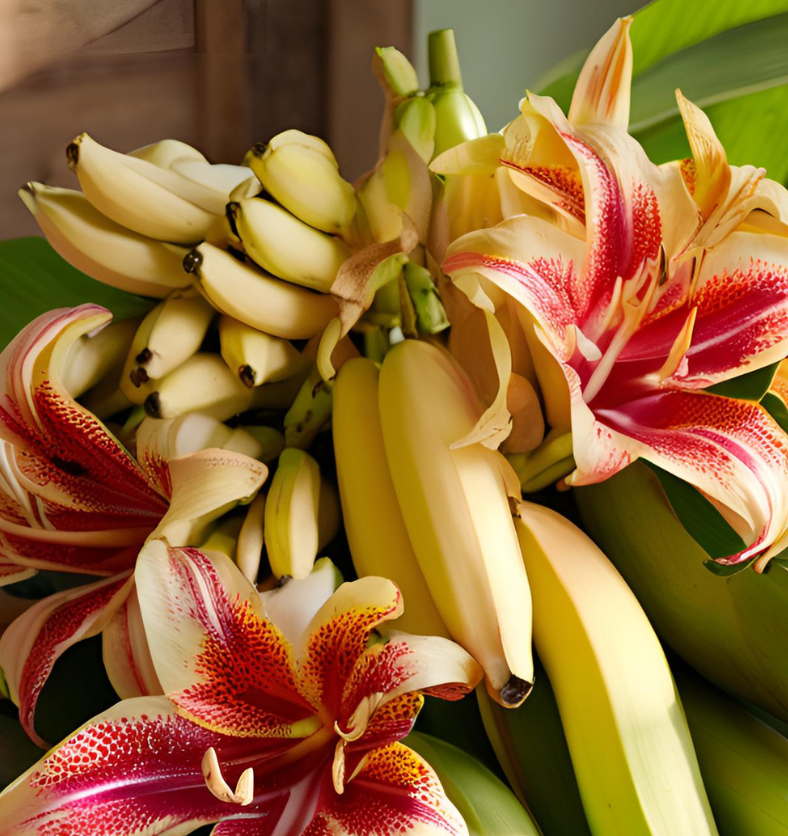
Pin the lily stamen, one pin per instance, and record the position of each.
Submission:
(219, 788)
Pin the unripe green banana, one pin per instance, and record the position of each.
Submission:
(309, 413)
(256, 357)
(202, 384)
(285, 246)
(430, 314)
(101, 248)
(486, 804)
(416, 119)
(146, 198)
(175, 334)
(456, 116)
(256, 298)
(301, 172)
(291, 515)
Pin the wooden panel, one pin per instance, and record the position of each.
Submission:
(166, 26)
(355, 102)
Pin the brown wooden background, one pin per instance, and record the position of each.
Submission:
(218, 74)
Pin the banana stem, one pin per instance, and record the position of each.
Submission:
(551, 461)
(443, 58)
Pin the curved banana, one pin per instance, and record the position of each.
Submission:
(285, 246)
(376, 533)
(256, 357)
(203, 383)
(258, 299)
(101, 248)
(175, 334)
(631, 749)
(301, 172)
(142, 196)
(291, 515)
(456, 508)
(249, 548)
(310, 411)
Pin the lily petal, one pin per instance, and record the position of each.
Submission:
(603, 88)
(133, 771)
(394, 791)
(221, 661)
(30, 647)
(11, 572)
(126, 653)
(205, 485)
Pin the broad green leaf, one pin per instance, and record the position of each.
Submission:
(776, 408)
(661, 28)
(701, 519)
(747, 387)
(35, 279)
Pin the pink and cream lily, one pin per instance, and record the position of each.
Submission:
(73, 499)
(282, 716)
(650, 285)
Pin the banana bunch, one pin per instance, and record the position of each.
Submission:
(434, 517)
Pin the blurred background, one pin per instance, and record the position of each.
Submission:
(222, 74)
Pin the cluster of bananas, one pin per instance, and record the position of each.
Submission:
(274, 276)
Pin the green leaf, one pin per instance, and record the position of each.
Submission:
(702, 521)
(35, 279)
(776, 408)
(747, 387)
(662, 28)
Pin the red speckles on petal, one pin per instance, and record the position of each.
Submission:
(566, 183)
(689, 173)
(394, 793)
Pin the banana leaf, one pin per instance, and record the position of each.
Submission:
(728, 57)
(36, 279)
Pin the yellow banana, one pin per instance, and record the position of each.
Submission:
(291, 515)
(301, 172)
(258, 299)
(631, 749)
(201, 384)
(456, 507)
(310, 411)
(257, 357)
(285, 246)
(249, 550)
(101, 248)
(376, 533)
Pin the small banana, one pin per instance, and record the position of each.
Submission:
(455, 502)
(101, 248)
(285, 246)
(309, 413)
(175, 334)
(256, 357)
(329, 514)
(258, 299)
(291, 515)
(430, 314)
(144, 197)
(249, 549)
(457, 118)
(376, 533)
(631, 749)
(271, 441)
(201, 384)
(301, 172)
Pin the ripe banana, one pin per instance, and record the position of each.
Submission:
(256, 298)
(627, 735)
(202, 384)
(456, 508)
(706, 619)
(457, 118)
(249, 549)
(301, 172)
(376, 533)
(142, 196)
(256, 357)
(271, 441)
(102, 249)
(173, 336)
(291, 515)
(329, 514)
(285, 246)
(486, 804)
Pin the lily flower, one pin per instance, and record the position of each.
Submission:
(282, 715)
(73, 499)
(655, 286)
